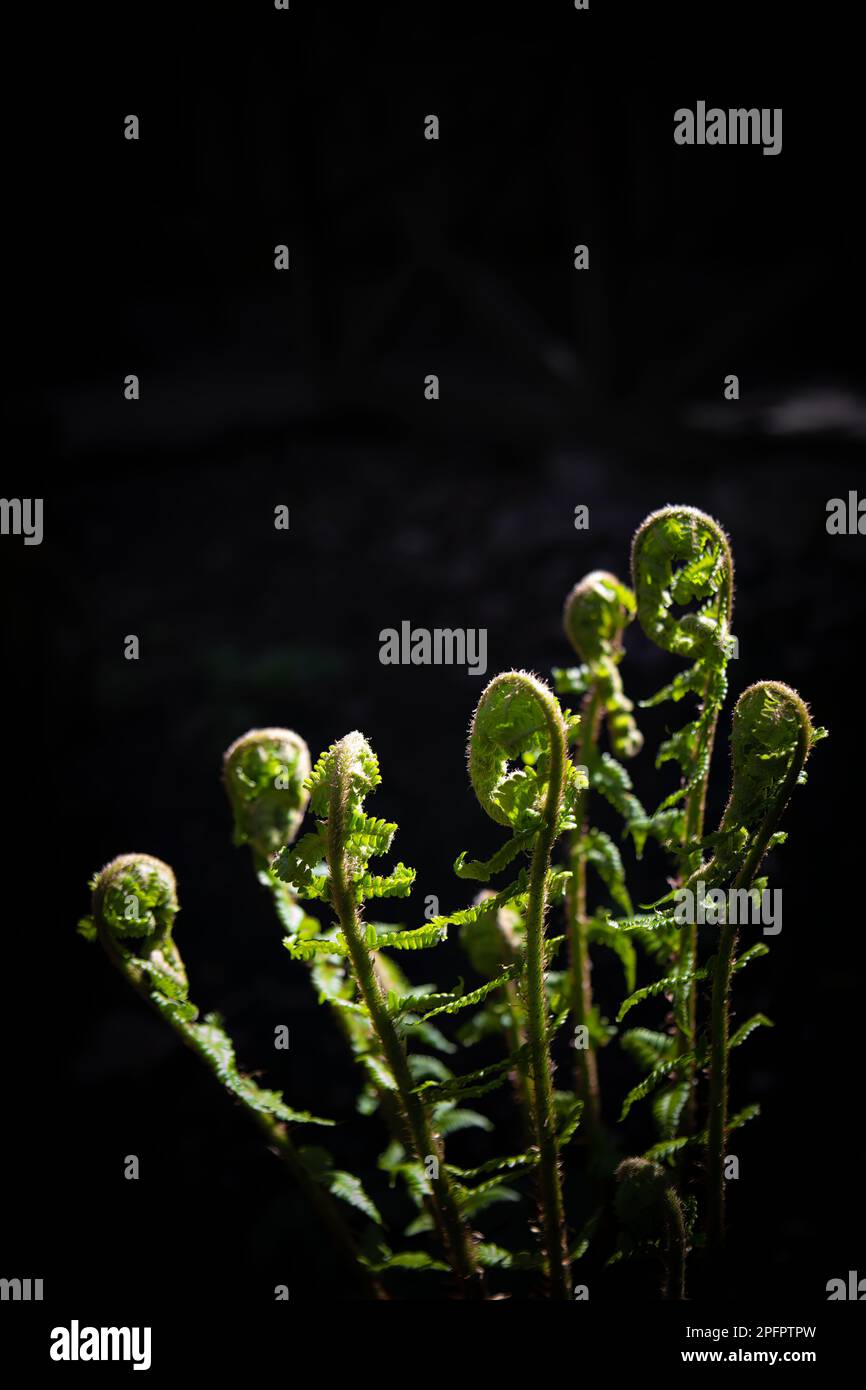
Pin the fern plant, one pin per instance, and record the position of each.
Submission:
(683, 578)
(533, 767)
(332, 865)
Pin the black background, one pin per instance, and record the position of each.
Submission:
(306, 388)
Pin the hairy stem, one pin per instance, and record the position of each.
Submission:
(720, 1007)
(585, 1061)
(456, 1237)
(693, 830)
(550, 1186)
(677, 1246)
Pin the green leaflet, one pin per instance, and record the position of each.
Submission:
(378, 1072)
(414, 1000)
(409, 1259)
(213, 1043)
(431, 1036)
(421, 1065)
(648, 922)
(667, 1107)
(320, 1165)
(647, 1047)
(450, 1119)
(668, 1147)
(415, 940)
(477, 1199)
(308, 950)
(571, 680)
(397, 884)
(394, 1162)
(453, 1003)
(687, 682)
(654, 1078)
(483, 870)
(569, 1121)
(495, 1257)
(304, 869)
(87, 928)
(599, 850)
(742, 1117)
(579, 1247)
(605, 934)
(421, 1225)
(496, 1165)
(611, 780)
(473, 1083)
(756, 1021)
(668, 984)
(759, 949)
(374, 835)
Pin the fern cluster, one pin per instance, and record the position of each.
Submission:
(552, 893)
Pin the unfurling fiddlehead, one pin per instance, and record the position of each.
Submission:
(265, 772)
(518, 719)
(771, 738)
(649, 1210)
(596, 613)
(332, 865)
(681, 558)
(265, 775)
(134, 905)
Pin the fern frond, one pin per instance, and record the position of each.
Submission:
(654, 1078)
(647, 1047)
(745, 1029)
(483, 870)
(668, 984)
(453, 1003)
(345, 1186)
(529, 1159)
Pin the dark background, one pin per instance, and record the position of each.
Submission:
(306, 388)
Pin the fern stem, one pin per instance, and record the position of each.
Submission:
(552, 1212)
(454, 1233)
(677, 1246)
(585, 1061)
(720, 1006)
(695, 811)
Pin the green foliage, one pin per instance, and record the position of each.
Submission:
(554, 782)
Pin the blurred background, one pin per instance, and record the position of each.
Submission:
(306, 388)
